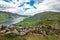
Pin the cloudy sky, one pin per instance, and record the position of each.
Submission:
(29, 7)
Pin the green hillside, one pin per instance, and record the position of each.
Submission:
(46, 18)
(5, 16)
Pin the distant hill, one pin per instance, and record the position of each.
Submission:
(13, 14)
(45, 16)
(6, 16)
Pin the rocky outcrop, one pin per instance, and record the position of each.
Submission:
(21, 31)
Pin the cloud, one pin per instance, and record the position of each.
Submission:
(43, 5)
(8, 7)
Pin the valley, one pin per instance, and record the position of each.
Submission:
(42, 26)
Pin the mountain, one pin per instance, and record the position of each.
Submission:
(41, 18)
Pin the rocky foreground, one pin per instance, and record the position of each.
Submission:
(21, 31)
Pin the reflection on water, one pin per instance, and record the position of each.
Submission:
(14, 21)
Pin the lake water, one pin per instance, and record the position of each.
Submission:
(13, 21)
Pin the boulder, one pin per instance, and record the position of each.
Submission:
(15, 32)
(2, 32)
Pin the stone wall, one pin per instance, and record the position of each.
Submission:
(21, 31)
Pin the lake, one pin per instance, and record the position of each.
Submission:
(13, 21)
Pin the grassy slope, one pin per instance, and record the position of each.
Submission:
(30, 37)
(5, 16)
(42, 18)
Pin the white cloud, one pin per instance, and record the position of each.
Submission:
(49, 5)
